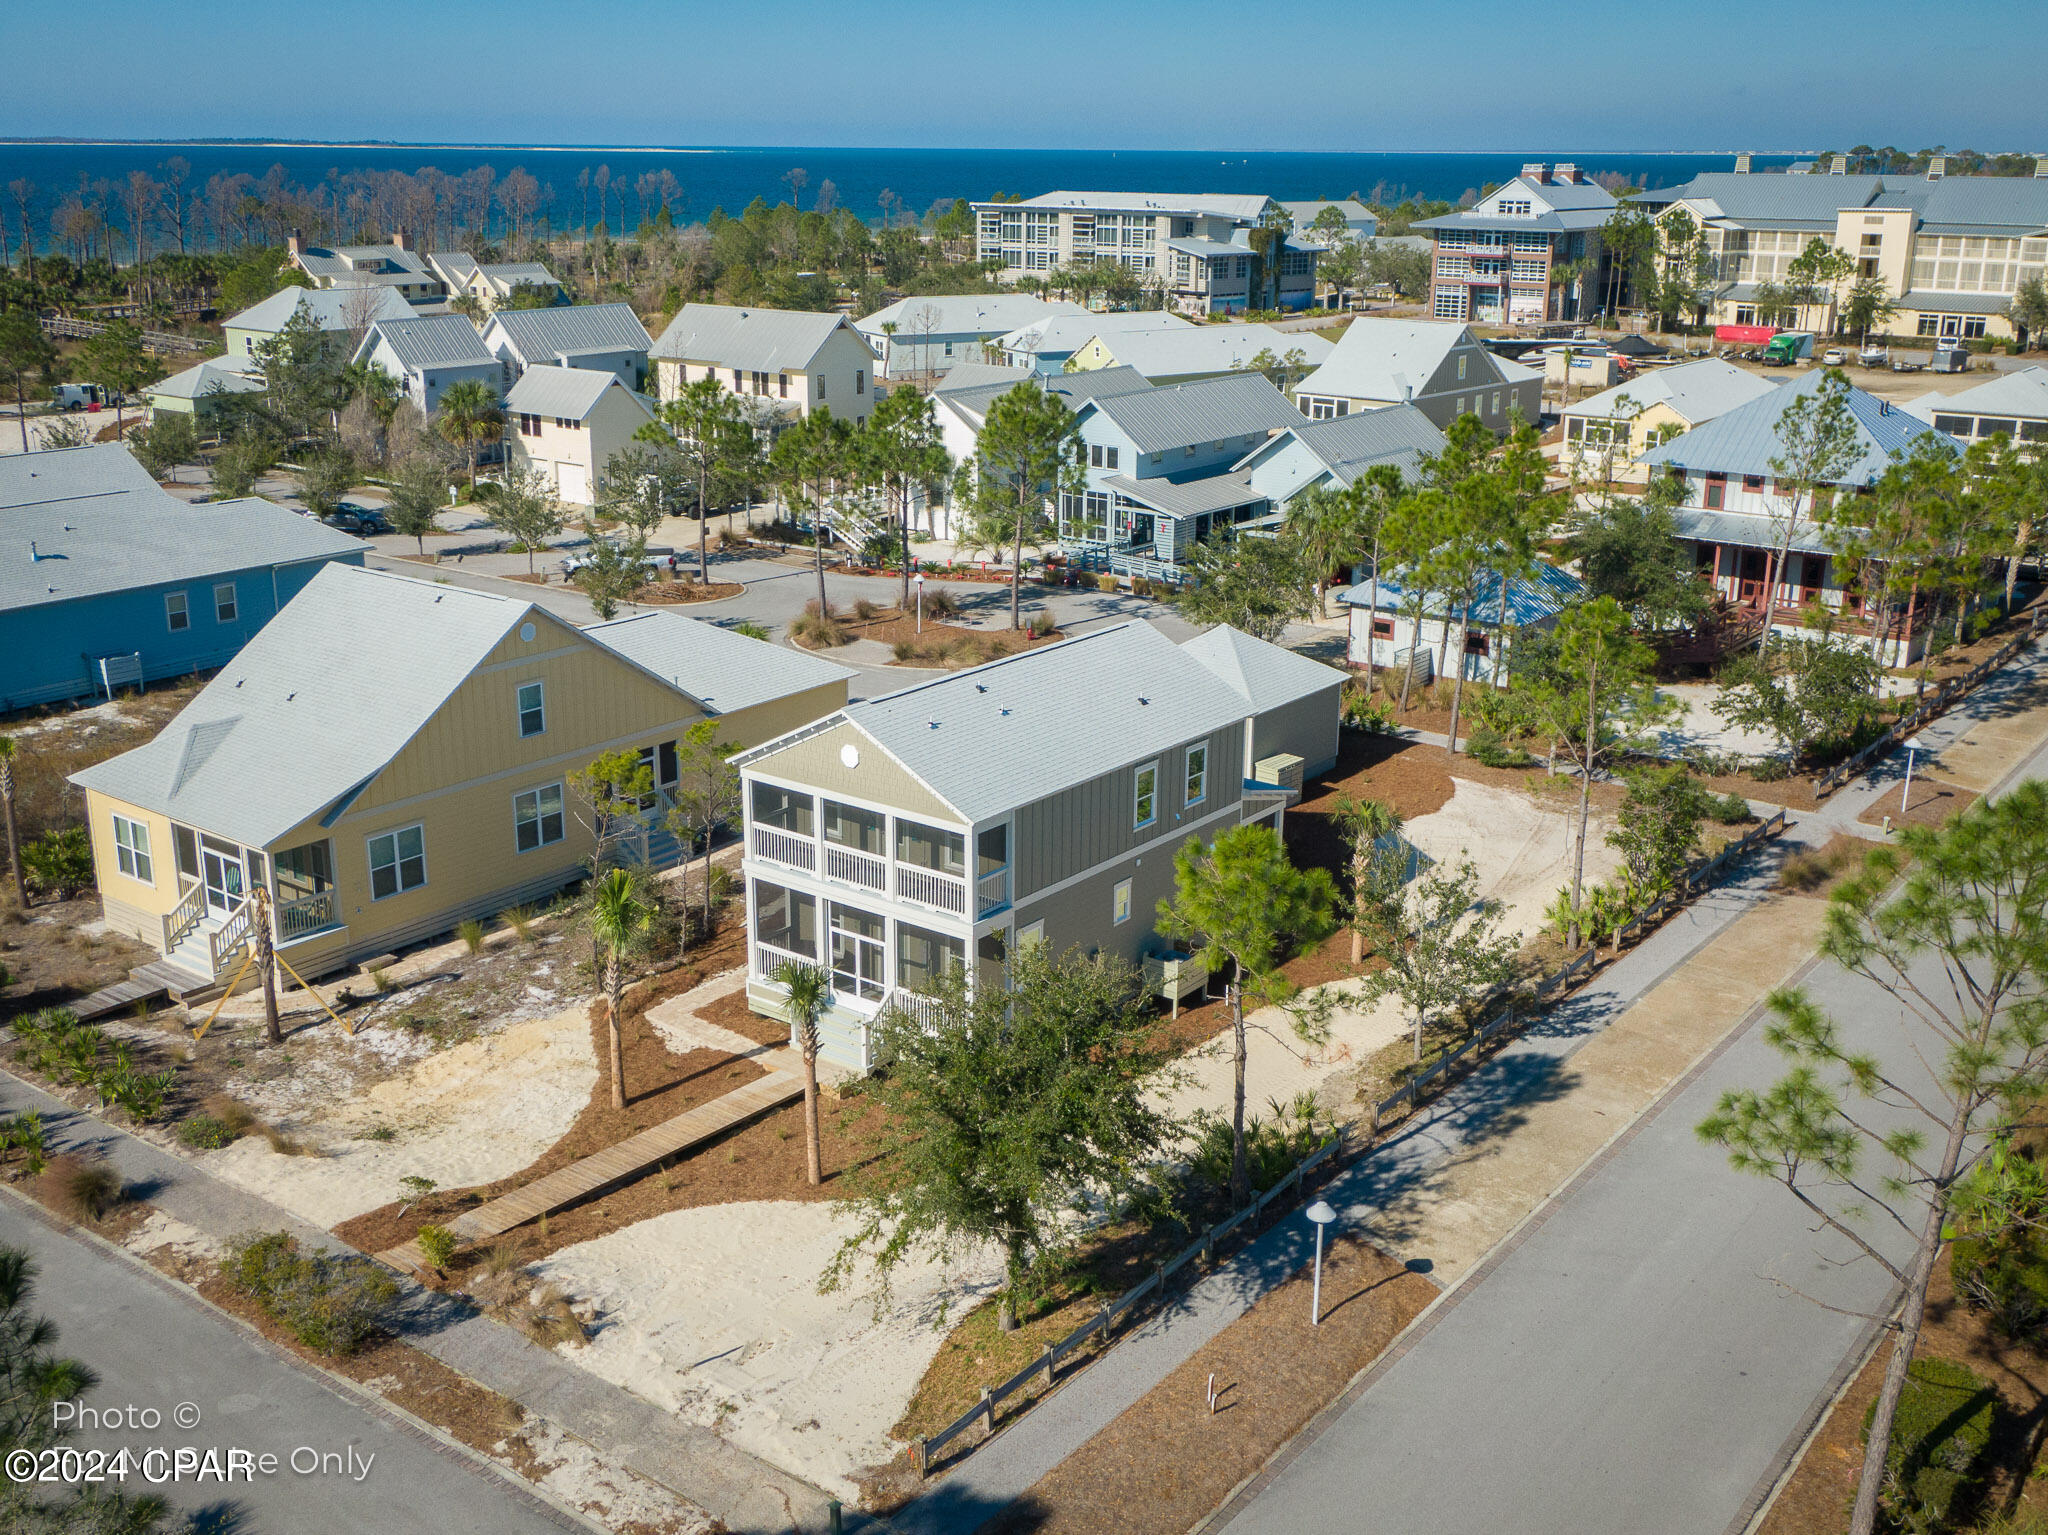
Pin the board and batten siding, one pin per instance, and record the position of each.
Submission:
(1307, 728)
(1059, 836)
(1082, 916)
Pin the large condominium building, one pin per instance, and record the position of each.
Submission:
(1951, 250)
(1523, 254)
(1196, 246)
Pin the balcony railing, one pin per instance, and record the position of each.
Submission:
(768, 960)
(306, 915)
(928, 887)
(864, 871)
(785, 848)
(992, 892)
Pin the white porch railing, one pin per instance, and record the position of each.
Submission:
(768, 960)
(182, 918)
(308, 914)
(785, 848)
(862, 870)
(922, 1010)
(232, 935)
(992, 891)
(928, 887)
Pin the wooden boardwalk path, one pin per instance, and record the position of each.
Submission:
(615, 1164)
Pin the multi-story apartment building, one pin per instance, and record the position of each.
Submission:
(1951, 250)
(1195, 247)
(1524, 254)
(1036, 799)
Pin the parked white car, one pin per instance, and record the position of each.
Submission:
(1833, 357)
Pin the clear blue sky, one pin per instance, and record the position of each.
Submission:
(1211, 74)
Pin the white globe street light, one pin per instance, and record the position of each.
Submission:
(1320, 1213)
(1914, 745)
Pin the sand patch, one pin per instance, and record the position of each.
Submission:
(714, 1314)
(599, 1485)
(159, 1230)
(468, 1114)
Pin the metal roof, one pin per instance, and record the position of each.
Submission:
(570, 393)
(979, 375)
(1187, 498)
(994, 737)
(1265, 676)
(1204, 410)
(1208, 348)
(723, 671)
(962, 314)
(1698, 391)
(2021, 393)
(510, 274)
(2003, 205)
(1748, 530)
(354, 261)
(1063, 335)
(973, 400)
(202, 378)
(429, 341)
(730, 336)
(1380, 359)
(327, 307)
(1745, 440)
(316, 705)
(80, 522)
(1240, 206)
(1955, 303)
(1548, 594)
(1350, 445)
(541, 335)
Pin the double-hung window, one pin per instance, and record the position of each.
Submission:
(224, 605)
(537, 817)
(1198, 775)
(1145, 796)
(398, 861)
(131, 850)
(177, 612)
(1120, 903)
(533, 713)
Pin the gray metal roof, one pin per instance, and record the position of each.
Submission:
(570, 393)
(1265, 676)
(1076, 389)
(329, 308)
(1748, 530)
(80, 522)
(1063, 335)
(315, 706)
(202, 378)
(1188, 498)
(1745, 440)
(541, 335)
(1205, 410)
(1698, 391)
(1231, 205)
(992, 738)
(730, 336)
(1350, 445)
(1208, 348)
(2003, 205)
(2021, 393)
(510, 274)
(429, 341)
(1955, 303)
(723, 671)
(962, 314)
(1376, 359)
(979, 375)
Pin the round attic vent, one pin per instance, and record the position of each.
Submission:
(849, 755)
(526, 632)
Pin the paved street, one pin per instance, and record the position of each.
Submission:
(153, 1345)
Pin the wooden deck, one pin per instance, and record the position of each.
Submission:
(145, 983)
(615, 1164)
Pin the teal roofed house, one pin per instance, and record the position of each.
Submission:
(106, 579)
(1384, 630)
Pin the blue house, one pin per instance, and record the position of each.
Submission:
(107, 579)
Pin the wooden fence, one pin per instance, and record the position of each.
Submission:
(1934, 703)
(1044, 1370)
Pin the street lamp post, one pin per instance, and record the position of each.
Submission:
(1913, 745)
(1321, 1214)
(920, 602)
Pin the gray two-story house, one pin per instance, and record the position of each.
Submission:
(1160, 471)
(1036, 799)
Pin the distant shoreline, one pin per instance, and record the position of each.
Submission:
(719, 149)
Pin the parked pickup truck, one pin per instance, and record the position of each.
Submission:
(659, 559)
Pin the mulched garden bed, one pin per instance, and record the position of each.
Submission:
(675, 593)
(1929, 802)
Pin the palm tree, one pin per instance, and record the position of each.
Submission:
(1324, 523)
(618, 922)
(470, 414)
(810, 993)
(7, 803)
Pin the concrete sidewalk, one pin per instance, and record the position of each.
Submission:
(748, 1495)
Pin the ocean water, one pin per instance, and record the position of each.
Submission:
(913, 178)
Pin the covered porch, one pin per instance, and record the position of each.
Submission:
(213, 923)
(1146, 529)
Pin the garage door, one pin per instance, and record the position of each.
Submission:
(572, 483)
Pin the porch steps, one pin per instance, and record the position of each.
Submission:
(614, 1165)
(145, 983)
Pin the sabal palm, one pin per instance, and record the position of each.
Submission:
(7, 750)
(469, 414)
(810, 993)
(1325, 524)
(618, 922)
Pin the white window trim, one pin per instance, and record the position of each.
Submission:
(1120, 903)
(1138, 795)
(539, 817)
(397, 863)
(520, 711)
(174, 614)
(1194, 781)
(233, 603)
(134, 854)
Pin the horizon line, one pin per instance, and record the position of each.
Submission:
(48, 141)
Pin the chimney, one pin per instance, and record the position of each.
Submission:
(1937, 167)
(402, 238)
(1742, 165)
(1838, 165)
(1538, 173)
(1567, 174)
(295, 243)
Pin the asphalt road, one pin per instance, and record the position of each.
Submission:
(1646, 1355)
(155, 1347)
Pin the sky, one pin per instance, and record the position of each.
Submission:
(1482, 75)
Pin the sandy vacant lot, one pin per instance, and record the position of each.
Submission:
(460, 1116)
(715, 1314)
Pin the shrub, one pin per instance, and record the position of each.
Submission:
(1105, 582)
(863, 609)
(1485, 747)
(1939, 1435)
(59, 862)
(1729, 809)
(1271, 1146)
(1040, 625)
(819, 627)
(520, 920)
(203, 1132)
(332, 1303)
(940, 603)
(437, 1244)
(24, 1133)
(751, 630)
(86, 1186)
(2005, 1275)
(1375, 716)
(415, 1189)
(471, 933)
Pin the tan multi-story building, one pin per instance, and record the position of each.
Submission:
(1527, 252)
(1951, 250)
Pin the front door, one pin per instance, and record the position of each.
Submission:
(223, 874)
